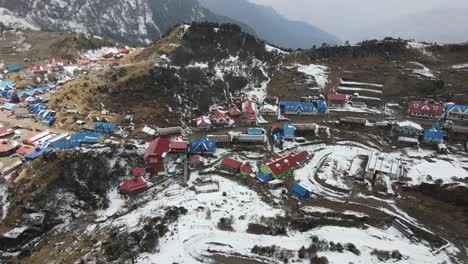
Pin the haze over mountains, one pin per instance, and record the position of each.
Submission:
(143, 21)
(270, 25)
(442, 21)
(439, 25)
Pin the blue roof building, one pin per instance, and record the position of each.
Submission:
(433, 136)
(7, 84)
(86, 137)
(104, 127)
(322, 107)
(264, 178)
(277, 132)
(202, 146)
(298, 108)
(68, 144)
(255, 131)
(457, 111)
(8, 106)
(300, 191)
(14, 67)
(50, 120)
(36, 108)
(36, 153)
(288, 131)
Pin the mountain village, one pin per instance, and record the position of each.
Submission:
(333, 160)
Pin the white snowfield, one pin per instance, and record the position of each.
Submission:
(319, 72)
(11, 19)
(423, 71)
(420, 47)
(98, 53)
(273, 49)
(195, 236)
(460, 66)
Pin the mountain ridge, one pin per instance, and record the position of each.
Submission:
(108, 18)
(270, 25)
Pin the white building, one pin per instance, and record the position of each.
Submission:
(381, 163)
(409, 129)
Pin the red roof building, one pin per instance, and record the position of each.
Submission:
(336, 100)
(114, 63)
(5, 132)
(336, 97)
(197, 162)
(7, 147)
(155, 154)
(231, 163)
(133, 184)
(426, 109)
(124, 51)
(109, 55)
(178, 145)
(35, 137)
(203, 122)
(246, 168)
(220, 119)
(234, 112)
(24, 150)
(157, 148)
(280, 167)
(248, 107)
(38, 68)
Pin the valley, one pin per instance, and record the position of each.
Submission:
(213, 146)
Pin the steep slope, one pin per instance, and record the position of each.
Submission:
(129, 21)
(270, 25)
(38, 46)
(203, 64)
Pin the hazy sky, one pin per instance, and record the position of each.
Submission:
(349, 19)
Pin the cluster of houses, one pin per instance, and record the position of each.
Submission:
(218, 118)
(36, 144)
(437, 110)
(28, 102)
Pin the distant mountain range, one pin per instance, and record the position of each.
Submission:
(143, 21)
(271, 26)
(129, 21)
(447, 25)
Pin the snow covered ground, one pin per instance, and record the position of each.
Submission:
(350, 108)
(273, 49)
(98, 53)
(435, 169)
(420, 47)
(319, 72)
(423, 70)
(460, 66)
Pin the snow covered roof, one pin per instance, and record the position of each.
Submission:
(380, 162)
(410, 124)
